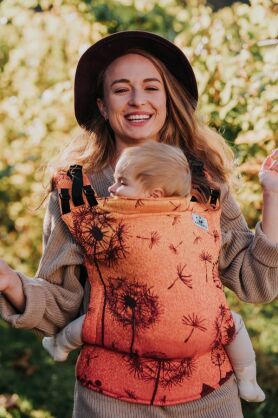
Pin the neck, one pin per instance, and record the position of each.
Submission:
(120, 147)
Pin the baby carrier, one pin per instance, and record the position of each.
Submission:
(158, 319)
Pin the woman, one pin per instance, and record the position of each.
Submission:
(123, 97)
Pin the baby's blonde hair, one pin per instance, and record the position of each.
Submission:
(157, 165)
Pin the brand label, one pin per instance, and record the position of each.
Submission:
(200, 221)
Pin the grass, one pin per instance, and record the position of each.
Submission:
(44, 389)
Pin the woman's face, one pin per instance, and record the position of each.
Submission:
(134, 99)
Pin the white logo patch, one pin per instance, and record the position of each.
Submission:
(200, 221)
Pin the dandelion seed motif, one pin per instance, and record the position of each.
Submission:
(215, 235)
(215, 275)
(116, 249)
(100, 235)
(197, 238)
(176, 219)
(104, 201)
(93, 385)
(224, 326)
(218, 357)
(130, 394)
(139, 203)
(176, 207)
(206, 258)
(92, 230)
(174, 248)
(83, 375)
(132, 305)
(104, 242)
(224, 333)
(154, 239)
(194, 322)
(184, 278)
(163, 372)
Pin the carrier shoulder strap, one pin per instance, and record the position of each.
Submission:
(74, 189)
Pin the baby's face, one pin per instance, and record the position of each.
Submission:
(126, 186)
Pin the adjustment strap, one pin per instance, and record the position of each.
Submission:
(75, 173)
(214, 196)
(64, 198)
(90, 195)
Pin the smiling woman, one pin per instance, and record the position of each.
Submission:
(134, 100)
(125, 97)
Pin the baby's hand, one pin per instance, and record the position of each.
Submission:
(268, 174)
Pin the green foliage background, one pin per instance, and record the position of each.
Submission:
(234, 55)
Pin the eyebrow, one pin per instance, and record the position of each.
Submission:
(120, 177)
(125, 80)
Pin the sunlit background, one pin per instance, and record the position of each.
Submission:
(233, 48)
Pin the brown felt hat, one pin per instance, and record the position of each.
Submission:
(96, 58)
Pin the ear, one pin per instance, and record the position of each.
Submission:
(102, 108)
(157, 192)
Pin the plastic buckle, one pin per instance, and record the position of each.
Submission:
(64, 194)
(74, 169)
(214, 195)
(88, 190)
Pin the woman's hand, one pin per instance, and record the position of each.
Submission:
(11, 286)
(6, 276)
(268, 174)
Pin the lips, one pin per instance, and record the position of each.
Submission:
(138, 117)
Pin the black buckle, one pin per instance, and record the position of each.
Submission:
(214, 195)
(90, 195)
(65, 198)
(64, 194)
(75, 174)
(76, 168)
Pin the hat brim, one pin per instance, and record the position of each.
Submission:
(96, 58)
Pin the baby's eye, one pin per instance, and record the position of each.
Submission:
(123, 183)
(151, 88)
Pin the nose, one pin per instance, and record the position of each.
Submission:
(137, 97)
(112, 189)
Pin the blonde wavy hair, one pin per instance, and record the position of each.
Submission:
(156, 165)
(210, 158)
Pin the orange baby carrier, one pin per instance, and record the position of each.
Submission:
(158, 318)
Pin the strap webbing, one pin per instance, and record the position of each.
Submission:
(90, 195)
(65, 198)
(75, 173)
(214, 195)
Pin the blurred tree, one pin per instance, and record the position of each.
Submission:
(219, 4)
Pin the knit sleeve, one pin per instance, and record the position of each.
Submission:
(248, 262)
(54, 296)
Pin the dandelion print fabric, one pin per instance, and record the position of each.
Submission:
(158, 320)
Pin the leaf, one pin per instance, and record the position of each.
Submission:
(23, 362)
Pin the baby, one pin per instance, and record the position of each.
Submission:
(156, 170)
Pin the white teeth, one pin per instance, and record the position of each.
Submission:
(138, 117)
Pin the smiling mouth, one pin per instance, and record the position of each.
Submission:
(138, 118)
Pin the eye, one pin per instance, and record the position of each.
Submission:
(123, 183)
(122, 90)
(152, 88)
